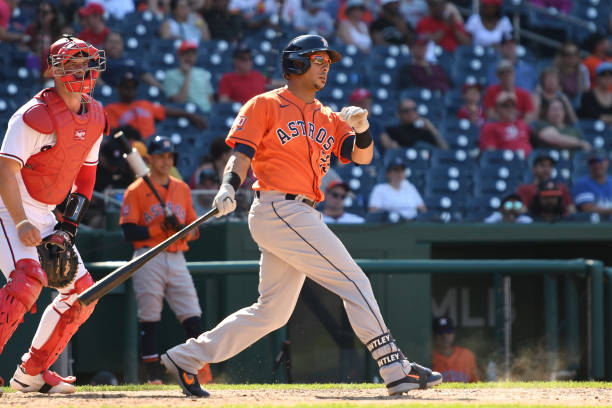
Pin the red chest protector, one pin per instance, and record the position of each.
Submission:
(49, 175)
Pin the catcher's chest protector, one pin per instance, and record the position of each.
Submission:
(49, 174)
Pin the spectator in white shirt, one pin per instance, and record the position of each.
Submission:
(314, 19)
(397, 194)
(488, 27)
(333, 212)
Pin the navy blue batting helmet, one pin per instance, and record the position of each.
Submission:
(295, 54)
(161, 144)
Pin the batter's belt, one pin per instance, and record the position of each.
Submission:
(296, 197)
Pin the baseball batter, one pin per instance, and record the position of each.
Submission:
(288, 137)
(50, 151)
(145, 223)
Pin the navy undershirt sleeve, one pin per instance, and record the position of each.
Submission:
(133, 232)
(346, 149)
(245, 149)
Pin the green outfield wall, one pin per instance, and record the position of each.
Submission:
(549, 310)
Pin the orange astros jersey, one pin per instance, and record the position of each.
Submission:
(284, 131)
(458, 367)
(140, 207)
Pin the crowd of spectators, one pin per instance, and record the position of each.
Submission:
(518, 101)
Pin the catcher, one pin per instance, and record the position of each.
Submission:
(50, 151)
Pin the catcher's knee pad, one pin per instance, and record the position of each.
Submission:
(39, 360)
(19, 295)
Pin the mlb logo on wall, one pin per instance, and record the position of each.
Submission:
(79, 134)
(239, 122)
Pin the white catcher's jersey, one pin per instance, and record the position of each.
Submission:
(21, 142)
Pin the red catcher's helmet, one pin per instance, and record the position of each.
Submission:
(68, 49)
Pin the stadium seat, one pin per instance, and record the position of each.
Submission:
(490, 185)
(444, 203)
(451, 187)
(414, 158)
(501, 157)
(448, 158)
(361, 180)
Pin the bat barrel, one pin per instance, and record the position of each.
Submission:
(123, 273)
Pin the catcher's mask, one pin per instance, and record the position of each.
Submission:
(76, 63)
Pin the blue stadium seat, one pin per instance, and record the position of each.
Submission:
(488, 185)
(456, 158)
(414, 158)
(450, 187)
(361, 180)
(445, 203)
(501, 157)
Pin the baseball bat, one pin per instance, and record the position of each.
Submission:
(139, 168)
(123, 273)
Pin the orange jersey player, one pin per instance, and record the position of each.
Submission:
(50, 151)
(288, 137)
(146, 223)
(457, 364)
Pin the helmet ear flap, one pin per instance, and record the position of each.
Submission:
(297, 64)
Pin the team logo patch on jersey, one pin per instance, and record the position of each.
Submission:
(79, 134)
(126, 210)
(239, 122)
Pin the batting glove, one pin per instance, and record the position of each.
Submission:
(356, 117)
(225, 200)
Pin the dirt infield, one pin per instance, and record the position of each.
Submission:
(291, 397)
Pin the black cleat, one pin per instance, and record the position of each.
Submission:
(419, 377)
(188, 382)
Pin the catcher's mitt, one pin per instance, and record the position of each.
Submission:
(58, 259)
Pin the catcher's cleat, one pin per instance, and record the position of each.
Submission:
(188, 382)
(45, 382)
(418, 377)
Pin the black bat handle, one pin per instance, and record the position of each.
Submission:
(123, 273)
(124, 144)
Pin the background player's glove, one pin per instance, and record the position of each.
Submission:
(225, 200)
(58, 259)
(356, 117)
(172, 224)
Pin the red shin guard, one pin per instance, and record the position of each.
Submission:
(19, 295)
(39, 360)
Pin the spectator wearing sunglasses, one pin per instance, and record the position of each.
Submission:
(573, 74)
(511, 210)
(245, 82)
(593, 193)
(333, 212)
(412, 128)
(597, 102)
(455, 363)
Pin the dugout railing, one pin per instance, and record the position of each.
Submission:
(584, 332)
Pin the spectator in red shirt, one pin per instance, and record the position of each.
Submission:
(471, 108)
(506, 75)
(95, 31)
(6, 10)
(443, 26)
(245, 82)
(509, 131)
(542, 170)
(421, 72)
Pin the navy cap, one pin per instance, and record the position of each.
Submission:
(443, 325)
(396, 163)
(604, 67)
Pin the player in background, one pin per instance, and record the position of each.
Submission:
(50, 151)
(146, 223)
(288, 137)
